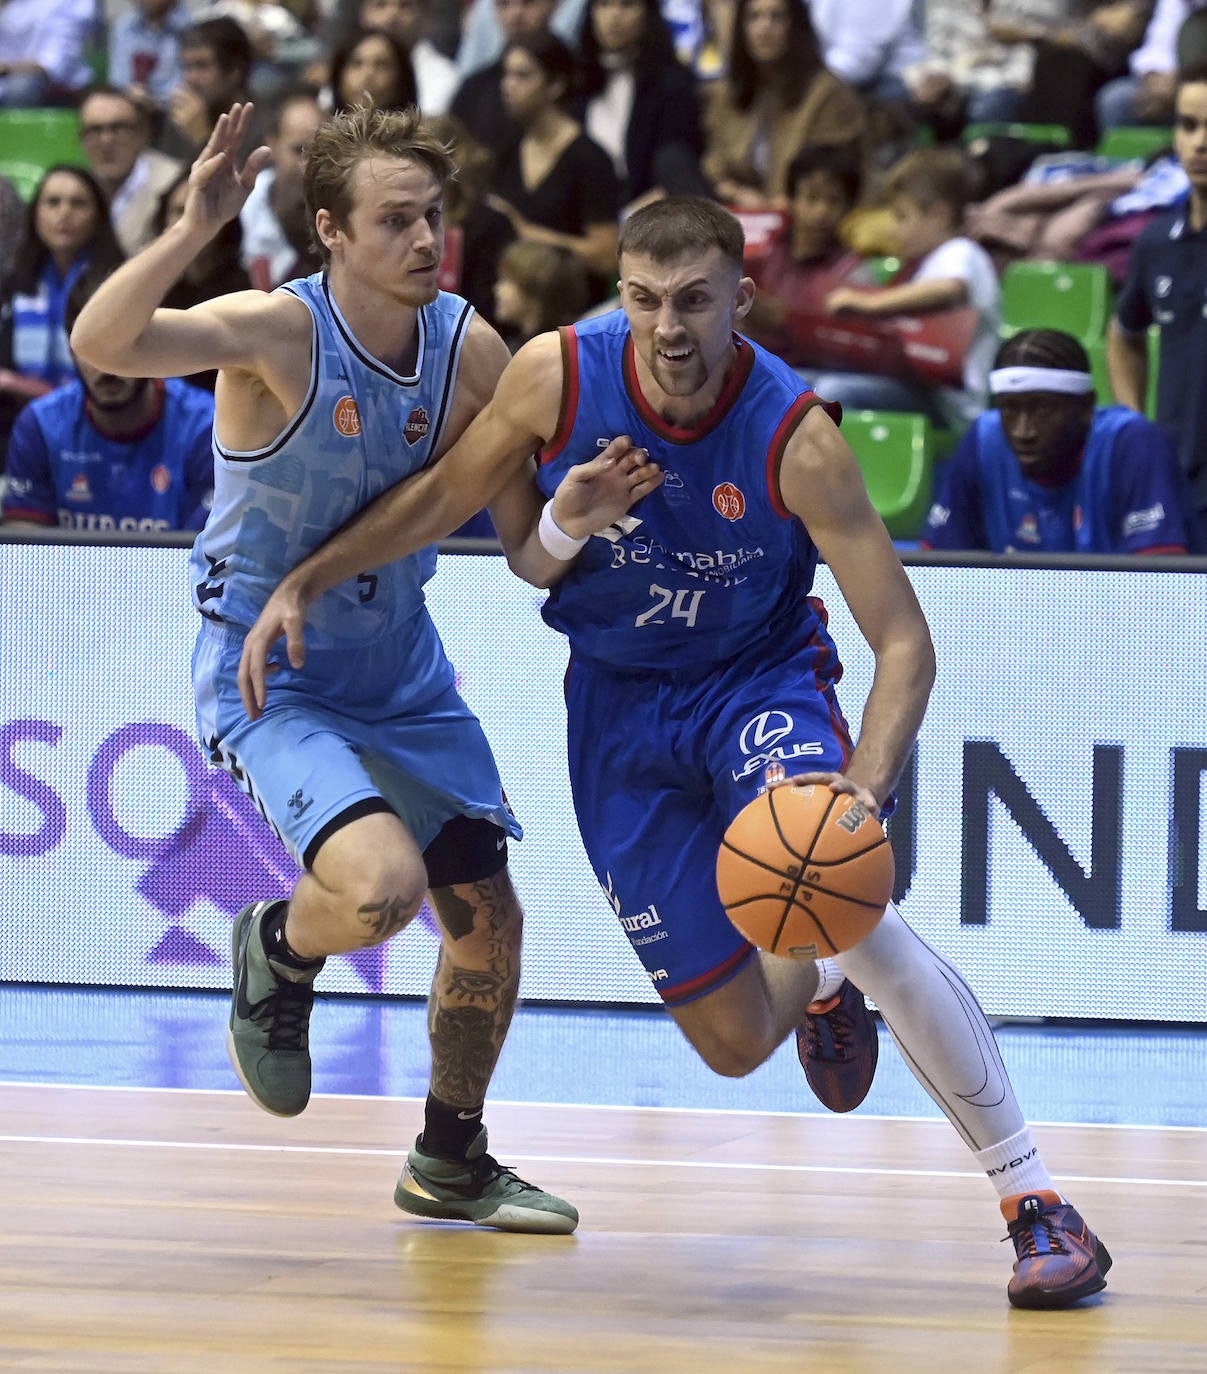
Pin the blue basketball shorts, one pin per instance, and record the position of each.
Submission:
(345, 736)
(659, 766)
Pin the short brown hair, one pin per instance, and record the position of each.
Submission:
(349, 137)
(931, 176)
(669, 228)
(550, 275)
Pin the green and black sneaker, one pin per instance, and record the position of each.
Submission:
(268, 1038)
(479, 1189)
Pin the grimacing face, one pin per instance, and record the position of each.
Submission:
(681, 315)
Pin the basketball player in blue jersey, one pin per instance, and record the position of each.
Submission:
(701, 669)
(369, 765)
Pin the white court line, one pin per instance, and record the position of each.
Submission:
(937, 1120)
(605, 1160)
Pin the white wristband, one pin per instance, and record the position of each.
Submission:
(554, 540)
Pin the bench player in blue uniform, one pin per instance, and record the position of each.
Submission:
(369, 765)
(111, 453)
(701, 669)
(1048, 471)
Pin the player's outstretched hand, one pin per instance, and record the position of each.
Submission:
(284, 613)
(218, 187)
(836, 782)
(595, 493)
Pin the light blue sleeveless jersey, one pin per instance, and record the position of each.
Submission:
(361, 429)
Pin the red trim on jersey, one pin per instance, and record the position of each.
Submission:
(828, 666)
(707, 982)
(35, 517)
(787, 427)
(568, 411)
(1163, 548)
(735, 380)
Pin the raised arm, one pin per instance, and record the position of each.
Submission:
(820, 481)
(494, 450)
(121, 328)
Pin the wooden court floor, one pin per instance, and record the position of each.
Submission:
(165, 1232)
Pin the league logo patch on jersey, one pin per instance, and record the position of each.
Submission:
(346, 417)
(161, 478)
(80, 490)
(728, 501)
(417, 425)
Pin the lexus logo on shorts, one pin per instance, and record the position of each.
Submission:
(763, 741)
(765, 730)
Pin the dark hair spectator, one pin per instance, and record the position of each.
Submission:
(216, 58)
(67, 230)
(654, 137)
(571, 199)
(372, 65)
(777, 97)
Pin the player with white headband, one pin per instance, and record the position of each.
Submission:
(1048, 471)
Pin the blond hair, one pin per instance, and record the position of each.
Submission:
(347, 138)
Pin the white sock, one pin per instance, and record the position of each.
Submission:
(1014, 1165)
(830, 979)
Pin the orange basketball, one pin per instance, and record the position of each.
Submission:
(805, 872)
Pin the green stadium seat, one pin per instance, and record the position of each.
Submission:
(1133, 141)
(1054, 135)
(33, 140)
(896, 455)
(1077, 297)
(1103, 393)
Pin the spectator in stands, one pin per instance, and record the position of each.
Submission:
(1076, 48)
(436, 75)
(1166, 285)
(1146, 94)
(928, 190)
(115, 132)
(869, 44)
(475, 234)
(67, 230)
(44, 50)
(823, 185)
(555, 185)
(372, 68)
(638, 101)
(111, 453)
(144, 49)
(488, 24)
(278, 243)
(217, 269)
(1049, 472)
(776, 98)
(216, 59)
(539, 287)
(478, 103)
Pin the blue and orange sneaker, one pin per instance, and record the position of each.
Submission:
(838, 1048)
(1060, 1260)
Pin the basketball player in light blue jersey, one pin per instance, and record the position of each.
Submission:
(701, 670)
(369, 765)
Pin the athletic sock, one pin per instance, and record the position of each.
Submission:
(448, 1131)
(830, 979)
(276, 946)
(1014, 1166)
